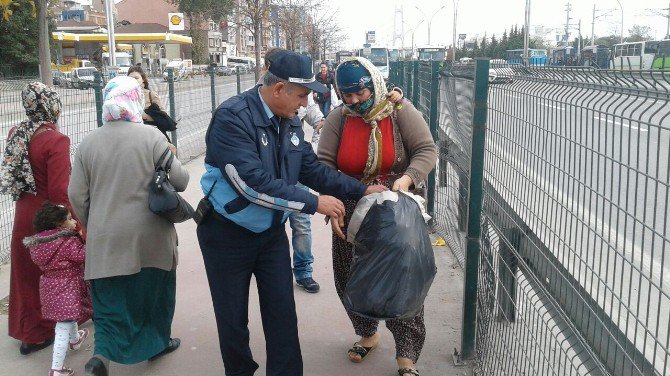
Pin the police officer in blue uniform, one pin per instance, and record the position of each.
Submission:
(256, 154)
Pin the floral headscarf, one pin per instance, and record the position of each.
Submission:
(43, 106)
(381, 108)
(123, 100)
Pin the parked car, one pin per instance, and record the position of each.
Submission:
(242, 67)
(223, 70)
(82, 78)
(500, 71)
(57, 76)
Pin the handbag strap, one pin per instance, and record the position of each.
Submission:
(159, 164)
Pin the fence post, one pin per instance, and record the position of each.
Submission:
(433, 124)
(507, 269)
(415, 83)
(97, 87)
(173, 112)
(239, 86)
(475, 199)
(212, 87)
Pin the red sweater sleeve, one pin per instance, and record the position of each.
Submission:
(58, 170)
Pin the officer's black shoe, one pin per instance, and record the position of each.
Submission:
(308, 284)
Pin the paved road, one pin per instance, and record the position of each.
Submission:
(588, 172)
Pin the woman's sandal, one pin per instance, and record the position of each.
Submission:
(359, 350)
(411, 371)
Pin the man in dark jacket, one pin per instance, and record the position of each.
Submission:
(323, 99)
(256, 154)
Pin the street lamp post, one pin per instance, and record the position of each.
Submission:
(412, 30)
(430, 20)
(621, 7)
(109, 9)
(453, 46)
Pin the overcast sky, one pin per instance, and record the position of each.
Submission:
(476, 17)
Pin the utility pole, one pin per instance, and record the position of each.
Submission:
(453, 46)
(579, 40)
(568, 8)
(621, 7)
(593, 26)
(526, 31)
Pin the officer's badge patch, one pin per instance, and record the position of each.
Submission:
(295, 140)
(264, 139)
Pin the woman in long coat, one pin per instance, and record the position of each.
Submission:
(377, 142)
(35, 168)
(131, 253)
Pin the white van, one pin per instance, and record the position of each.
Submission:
(82, 78)
(248, 63)
(180, 70)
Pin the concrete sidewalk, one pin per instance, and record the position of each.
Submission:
(325, 331)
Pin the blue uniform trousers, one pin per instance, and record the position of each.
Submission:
(232, 254)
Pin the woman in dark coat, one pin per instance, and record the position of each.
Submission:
(35, 168)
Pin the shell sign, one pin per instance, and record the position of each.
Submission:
(176, 21)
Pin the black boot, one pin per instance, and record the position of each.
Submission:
(95, 367)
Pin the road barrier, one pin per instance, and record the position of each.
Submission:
(552, 189)
(190, 101)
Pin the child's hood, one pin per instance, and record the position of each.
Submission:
(48, 236)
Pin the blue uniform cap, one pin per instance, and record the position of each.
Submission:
(295, 68)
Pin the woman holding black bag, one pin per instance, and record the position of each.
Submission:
(378, 142)
(154, 112)
(131, 252)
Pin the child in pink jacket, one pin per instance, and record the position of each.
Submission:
(59, 251)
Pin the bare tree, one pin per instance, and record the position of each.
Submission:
(310, 21)
(251, 15)
(291, 21)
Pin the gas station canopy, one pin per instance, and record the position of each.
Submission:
(167, 38)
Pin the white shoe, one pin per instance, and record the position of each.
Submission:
(83, 334)
(61, 372)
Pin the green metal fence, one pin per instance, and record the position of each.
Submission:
(191, 102)
(565, 270)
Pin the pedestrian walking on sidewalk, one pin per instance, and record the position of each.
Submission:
(324, 100)
(59, 251)
(377, 142)
(255, 156)
(35, 168)
(301, 225)
(131, 253)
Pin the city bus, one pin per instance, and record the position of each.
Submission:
(340, 55)
(379, 56)
(654, 54)
(536, 56)
(564, 56)
(596, 56)
(429, 53)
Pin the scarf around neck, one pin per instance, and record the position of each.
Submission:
(43, 106)
(381, 109)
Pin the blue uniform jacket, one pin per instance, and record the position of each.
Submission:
(255, 166)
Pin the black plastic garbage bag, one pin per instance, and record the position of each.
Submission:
(393, 264)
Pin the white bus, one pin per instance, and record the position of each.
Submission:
(379, 56)
(641, 55)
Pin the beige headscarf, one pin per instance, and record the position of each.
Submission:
(381, 108)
